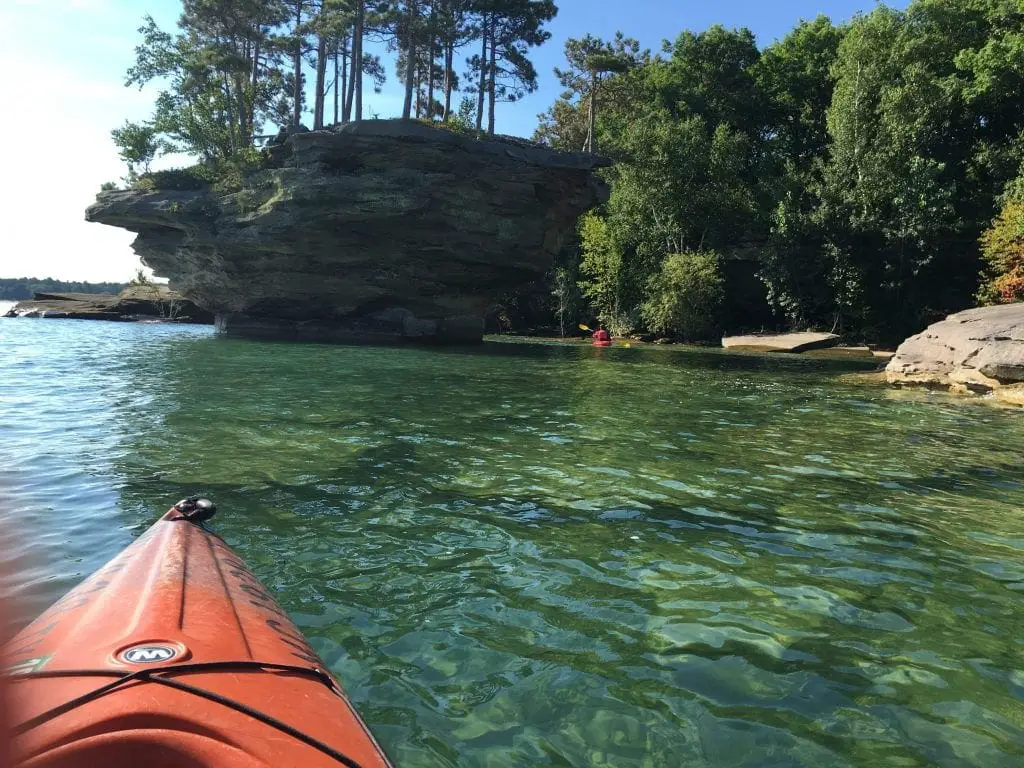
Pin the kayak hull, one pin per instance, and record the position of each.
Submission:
(178, 610)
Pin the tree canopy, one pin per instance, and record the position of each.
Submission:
(233, 69)
(865, 177)
(847, 177)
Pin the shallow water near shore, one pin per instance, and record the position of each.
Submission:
(547, 554)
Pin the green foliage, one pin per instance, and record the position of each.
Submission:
(1002, 248)
(140, 280)
(590, 84)
(230, 175)
(684, 297)
(601, 270)
(568, 299)
(914, 170)
(210, 105)
(456, 124)
(229, 68)
(793, 76)
(194, 177)
(137, 144)
(223, 176)
(108, 186)
(683, 183)
(459, 124)
(852, 169)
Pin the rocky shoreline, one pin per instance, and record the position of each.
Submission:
(976, 352)
(144, 303)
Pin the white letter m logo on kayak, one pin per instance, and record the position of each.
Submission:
(148, 654)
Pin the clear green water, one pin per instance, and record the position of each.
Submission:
(551, 555)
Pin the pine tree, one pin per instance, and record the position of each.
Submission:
(506, 29)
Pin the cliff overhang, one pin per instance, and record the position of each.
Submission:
(381, 230)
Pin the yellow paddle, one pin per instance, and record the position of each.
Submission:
(588, 328)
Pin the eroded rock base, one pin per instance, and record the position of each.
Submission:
(389, 327)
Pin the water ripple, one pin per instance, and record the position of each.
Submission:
(532, 555)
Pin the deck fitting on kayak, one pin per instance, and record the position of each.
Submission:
(196, 509)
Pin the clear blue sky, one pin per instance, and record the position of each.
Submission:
(66, 59)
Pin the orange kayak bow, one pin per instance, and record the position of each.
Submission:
(173, 655)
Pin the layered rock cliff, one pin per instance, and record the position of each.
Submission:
(380, 230)
(978, 350)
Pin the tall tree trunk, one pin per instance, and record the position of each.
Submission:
(482, 87)
(256, 59)
(230, 114)
(346, 86)
(418, 98)
(410, 59)
(297, 67)
(255, 77)
(449, 54)
(357, 59)
(430, 90)
(321, 76)
(351, 76)
(337, 81)
(592, 117)
(244, 120)
(431, 57)
(492, 69)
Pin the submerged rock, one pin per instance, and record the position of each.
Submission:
(979, 350)
(782, 342)
(381, 230)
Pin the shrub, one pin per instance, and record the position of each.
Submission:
(456, 124)
(1002, 248)
(230, 174)
(193, 177)
(223, 176)
(685, 296)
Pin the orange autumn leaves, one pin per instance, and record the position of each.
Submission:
(1002, 248)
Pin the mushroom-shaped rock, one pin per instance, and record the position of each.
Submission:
(381, 230)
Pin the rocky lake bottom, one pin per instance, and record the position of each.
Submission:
(528, 554)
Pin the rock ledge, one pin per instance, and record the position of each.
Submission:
(978, 351)
(782, 342)
(383, 230)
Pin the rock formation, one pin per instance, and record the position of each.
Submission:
(979, 350)
(782, 342)
(380, 230)
(135, 303)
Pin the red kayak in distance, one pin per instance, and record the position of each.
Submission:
(174, 655)
(601, 338)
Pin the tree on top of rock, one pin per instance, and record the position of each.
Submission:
(223, 77)
(589, 59)
(502, 70)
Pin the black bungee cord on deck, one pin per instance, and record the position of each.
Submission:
(158, 675)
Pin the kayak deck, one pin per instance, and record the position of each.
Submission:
(175, 654)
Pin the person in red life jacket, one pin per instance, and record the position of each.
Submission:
(602, 337)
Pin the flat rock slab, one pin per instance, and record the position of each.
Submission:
(782, 342)
(978, 350)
